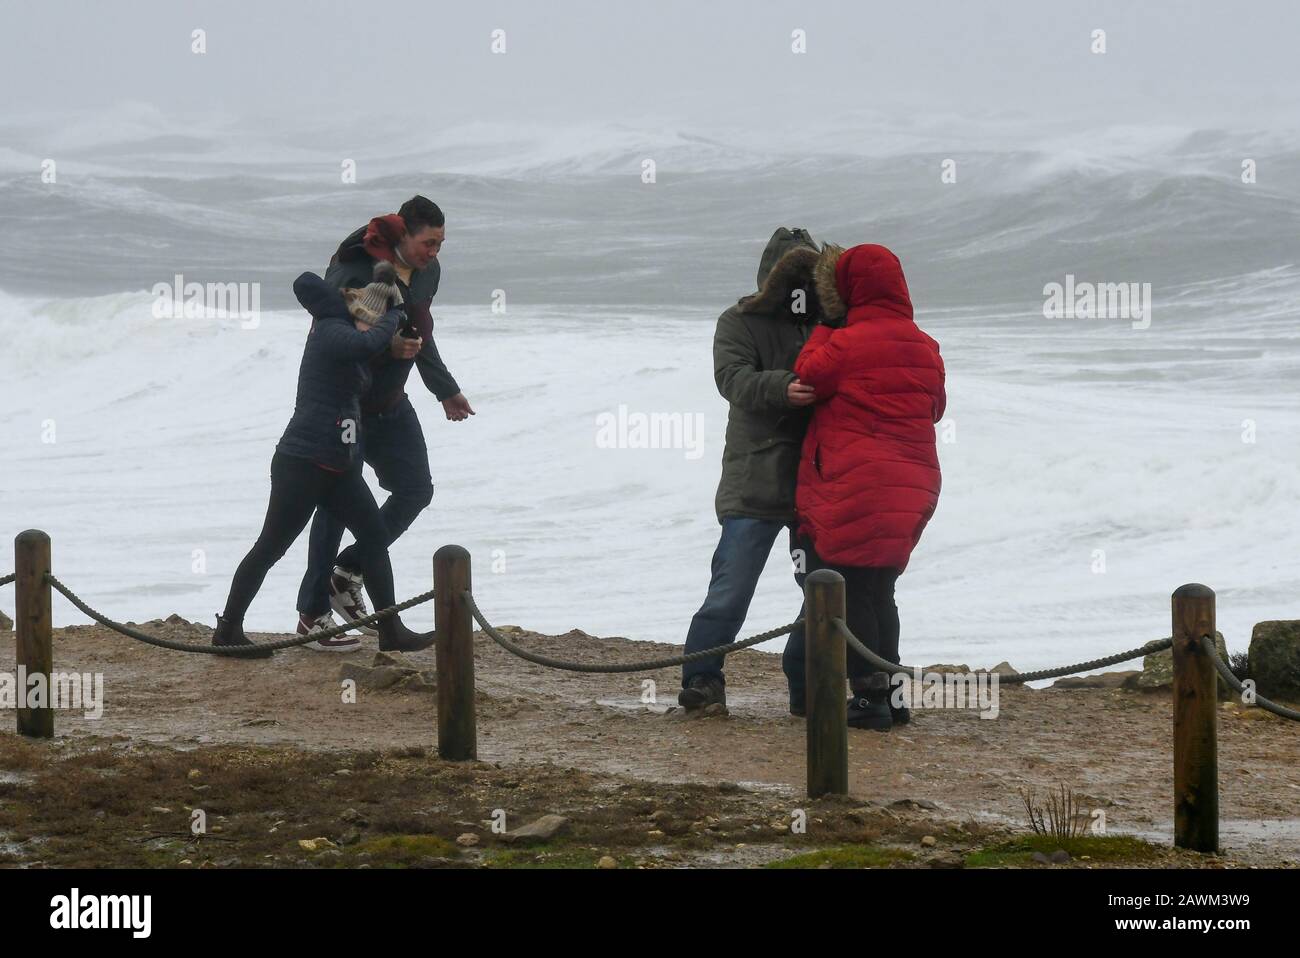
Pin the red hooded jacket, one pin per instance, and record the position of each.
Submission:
(869, 471)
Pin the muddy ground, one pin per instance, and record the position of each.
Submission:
(273, 757)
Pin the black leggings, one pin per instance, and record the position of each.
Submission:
(298, 487)
(870, 613)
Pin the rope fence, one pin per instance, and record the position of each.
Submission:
(1197, 669)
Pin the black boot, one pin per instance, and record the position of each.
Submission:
(230, 635)
(869, 706)
(702, 691)
(395, 637)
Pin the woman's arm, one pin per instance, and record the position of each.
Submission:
(340, 339)
(821, 362)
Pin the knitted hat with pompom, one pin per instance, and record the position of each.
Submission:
(370, 304)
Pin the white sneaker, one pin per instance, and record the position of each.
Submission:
(339, 643)
(347, 599)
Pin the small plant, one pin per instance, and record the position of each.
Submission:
(1061, 817)
(1239, 663)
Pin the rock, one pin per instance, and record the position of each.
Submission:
(350, 837)
(1040, 858)
(1004, 668)
(929, 841)
(1275, 659)
(193, 774)
(606, 862)
(175, 619)
(963, 669)
(1158, 669)
(382, 677)
(6, 623)
(392, 659)
(315, 844)
(467, 840)
(1103, 680)
(544, 828)
(354, 671)
(1059, 857)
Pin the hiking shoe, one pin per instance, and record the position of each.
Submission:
(395, 637)
(339, 643)
(230, 635)
(347, 599)
(869, 713)
(702, 691)
(900, 714)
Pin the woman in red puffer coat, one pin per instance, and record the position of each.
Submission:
(869, 472)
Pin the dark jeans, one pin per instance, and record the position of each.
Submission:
(298, 487)
(870, 613)
(393, 445)
(737, 564)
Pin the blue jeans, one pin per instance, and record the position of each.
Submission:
(393, 444)
(737, 564)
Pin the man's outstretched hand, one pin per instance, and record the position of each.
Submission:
(457, 407)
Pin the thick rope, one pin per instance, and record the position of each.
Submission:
(650, 666)
(1207, 645)
(237, 651)
(1011, 678)
(5, 580)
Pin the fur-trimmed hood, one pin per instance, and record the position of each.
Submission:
(793, 270)
(866, 275)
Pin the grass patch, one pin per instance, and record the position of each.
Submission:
(846, 856)
(396, 850)
(1099, 848)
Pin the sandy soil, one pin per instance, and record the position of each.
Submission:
(1114, 748)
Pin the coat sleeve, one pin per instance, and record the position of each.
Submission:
(821, 362)
(737, 373)
(344, 342)
(434, 372)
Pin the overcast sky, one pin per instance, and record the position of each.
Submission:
(709, 65)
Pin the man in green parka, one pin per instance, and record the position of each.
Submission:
(754, 349)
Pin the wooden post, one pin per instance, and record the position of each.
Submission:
(827, 701)
(33, 629)
(454, 653)
(1196, 758)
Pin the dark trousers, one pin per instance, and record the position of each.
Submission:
(393, 445)
(870, 613)
(737, 564)
(299, 487)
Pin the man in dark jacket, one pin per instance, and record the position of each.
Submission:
(754, 349)
(390, 437)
